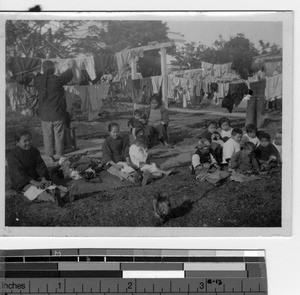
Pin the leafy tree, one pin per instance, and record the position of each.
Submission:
(238, 50)
(44, 39)
(267, 48)
(118, 35)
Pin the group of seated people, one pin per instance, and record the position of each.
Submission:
(151, 123)
(227, 148)
(27, 168)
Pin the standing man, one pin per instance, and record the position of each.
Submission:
(52, 107)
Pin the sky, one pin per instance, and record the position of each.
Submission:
(207, 32)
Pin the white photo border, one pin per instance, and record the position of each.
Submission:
(286, 17)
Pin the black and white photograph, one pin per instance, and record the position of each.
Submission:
(147, 124)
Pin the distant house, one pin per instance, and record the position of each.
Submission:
(269, 61)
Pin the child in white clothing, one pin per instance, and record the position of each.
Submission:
(232, 145)
(225, 129)
(250, 136)
(138, 153)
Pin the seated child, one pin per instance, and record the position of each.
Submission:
(216, 139)
(115, 150)
(244, 161)
(144, 130)
(250, 135)
(27, 168)
(138, 155)
(210, 134)
(202, 158)
(266, 153)
(225, 129)
(277, 142)
(158, 119)
(232, 145)
(211, 127)
(134, 123)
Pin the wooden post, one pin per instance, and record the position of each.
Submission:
(133, 77)
(163, 60)
(251, 111)
(133, 69)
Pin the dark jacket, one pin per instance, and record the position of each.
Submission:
(164, 114)
(243, 163)
(116, 150)
(25, 166)
(264, 153)
(52, 102)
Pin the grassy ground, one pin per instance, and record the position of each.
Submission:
(194, 204)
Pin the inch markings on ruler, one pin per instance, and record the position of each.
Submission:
(125, 271)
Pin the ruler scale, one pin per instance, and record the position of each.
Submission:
(132, 271)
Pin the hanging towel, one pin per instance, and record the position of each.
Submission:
(156, 83)
(207, 68)
(86, 63)
(273, 87)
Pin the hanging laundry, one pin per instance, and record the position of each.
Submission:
(226, 68)
(81, 63)
(92, 97)
(84, 78)
(94, 106)
(14, 91)
(273, 87)
(83, 94)
(213, 87)
(236, 92)
(198, 88)
(205, 84)
(156, 83)
(136, 91)
(222, 89)
(217, 70)
(173, 82)
(207, 68)
(70, 94)
(147, 90)
(23, 68)
(105, 61)
(124, 58)
(86, 63)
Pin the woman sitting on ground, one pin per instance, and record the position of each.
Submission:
(115, 151)
(27, 168)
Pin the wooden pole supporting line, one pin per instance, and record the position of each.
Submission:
(163, 60)
(151, 46)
